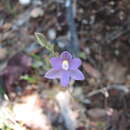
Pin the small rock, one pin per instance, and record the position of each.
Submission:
(114, 72)
(37, 12)
(3, 53)
(112, 3)
(24, 2)
(84, 21)
(62, 41)
(92, 19)
(52, 34)
(78, 92)
(61, 44)
(91, 70)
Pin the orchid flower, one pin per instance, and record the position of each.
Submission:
(65, 68)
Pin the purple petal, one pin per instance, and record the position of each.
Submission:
(65, 76)
(66, 56)
(55, 62)
(75, 63)
(53, 74)
(77, 74)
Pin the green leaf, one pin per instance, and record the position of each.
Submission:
(36, 57)
(82, 55)
(1, 91)
(43, 42)
(28, 78)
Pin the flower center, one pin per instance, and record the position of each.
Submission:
(65, 65)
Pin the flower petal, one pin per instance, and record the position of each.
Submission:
(65, 55)
(64, 79)
(53, 74)
(75, 63)
(55, 62)
(77, 74)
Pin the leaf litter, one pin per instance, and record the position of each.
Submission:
(104, 44)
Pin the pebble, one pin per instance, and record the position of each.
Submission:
(51, 34)
(3, 53)
(24, 2)
(61, 44)
(37, 12)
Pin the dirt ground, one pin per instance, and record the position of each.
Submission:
(31, 102)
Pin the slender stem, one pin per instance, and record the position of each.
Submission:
(73, 46)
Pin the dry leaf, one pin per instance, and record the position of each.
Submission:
(91, 71)
(17, 65)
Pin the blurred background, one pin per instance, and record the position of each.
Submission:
(96, 31)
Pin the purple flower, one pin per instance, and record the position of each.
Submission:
(65, 68)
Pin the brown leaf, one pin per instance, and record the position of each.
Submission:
(16, 66)
(20, 59)
(114, 72)
(97, 113)
(3, 53)
(5, 27)
(118, 121)
(81, 128)
(91, 71)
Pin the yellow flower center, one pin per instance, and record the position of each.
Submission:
(65, 65)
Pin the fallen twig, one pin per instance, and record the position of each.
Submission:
(105, 90)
